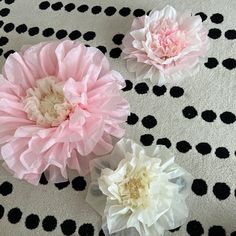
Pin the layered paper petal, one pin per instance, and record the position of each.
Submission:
(139, 192)
(60, 106)
(165, 46)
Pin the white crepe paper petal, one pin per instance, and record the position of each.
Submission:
(138, 192)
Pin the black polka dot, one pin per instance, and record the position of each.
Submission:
(129, 85)
(230, 34)
(86, 230)
(221, 191)
(86, 45)
(183, 146)
(202, 15)
(199, 187)
(117, 39)
(8, 27)
(146, 139)
(21, 28)
(101, 233)
(222, 152)
(48, 32)
(75, 34)
(216, 230)
(1, 51)
(83, 8)
(149, 122)
(62, 185)
(6, 54)
(141, 88)
(68, 227)
(139, 12)
(43, 179)
(211, 63)
(49, 223)
(3, 41)
(79, 183)
(164, 141)
(159, 90)
(70, 7)
(203, 148)
(61, 34)
(217, 18)
(1, 211)
(194, 228)
(214, 33)
(115, 52)
(32, 221)
(90, 35)
(109, 11)
(6, 188)
(57, 6)
(132, 119)
(14, 215)
(125, 11)
(209, 115)
(9, 1)
(96, 10)
(228, 117)
(174, 230)
(1, 23)
(233, 233)
(33, 31)
(229, 63)
(189, 112)
(4, 12)
(176, 92)
(44, 5)
(102, 49)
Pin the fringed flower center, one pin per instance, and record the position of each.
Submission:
(45, 104)
(135, 189)
(49, 102)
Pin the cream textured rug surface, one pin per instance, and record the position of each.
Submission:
(195, 118)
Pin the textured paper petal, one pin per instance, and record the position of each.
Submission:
(167, 190)
(165, 46)
(60, 107)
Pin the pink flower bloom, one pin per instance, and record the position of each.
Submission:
(165, 46)
(59, 106)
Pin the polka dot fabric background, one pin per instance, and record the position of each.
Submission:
(196, 118)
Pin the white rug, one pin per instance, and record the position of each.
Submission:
(195, 118)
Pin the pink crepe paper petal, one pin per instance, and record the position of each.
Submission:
(96, 110)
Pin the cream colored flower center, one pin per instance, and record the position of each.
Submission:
(134, 189)
(46, 103)
(133, 186)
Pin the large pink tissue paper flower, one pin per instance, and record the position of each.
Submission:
(59, 106)
(165, 46)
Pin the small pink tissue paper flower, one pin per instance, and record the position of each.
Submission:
(59, 106)
(165, 46)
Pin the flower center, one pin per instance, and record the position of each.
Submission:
(168, 40)
(49, 102)
(134, 186)
(135, 190)
(46, 103)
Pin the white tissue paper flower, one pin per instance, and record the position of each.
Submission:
(138, 193)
